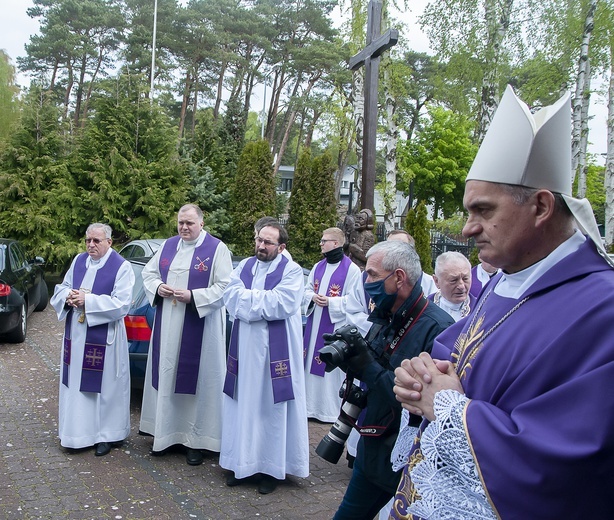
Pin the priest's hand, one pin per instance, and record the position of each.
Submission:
(76, 298)
(165, 291)
(320, 299)
(417, 381)
(182, 295)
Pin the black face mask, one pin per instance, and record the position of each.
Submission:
(334, 255)
(382, 300)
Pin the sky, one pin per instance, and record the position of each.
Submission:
(16, 27)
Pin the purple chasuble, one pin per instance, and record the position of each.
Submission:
(96, 337)
(335, 288)
(279, 360)
(535, 370)
(190, 347)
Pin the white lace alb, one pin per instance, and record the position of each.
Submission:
(447, 479)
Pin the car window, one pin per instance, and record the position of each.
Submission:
(18, 258)
(127, 252)
(139, 297)
(2, 257)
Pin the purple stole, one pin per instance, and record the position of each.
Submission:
(335, 288)
(193, 325)
(279, 360)
(96, 337)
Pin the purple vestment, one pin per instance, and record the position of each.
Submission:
(279, 360)
(540, 420)
(96, 337)
(193, 325)
(335, 288)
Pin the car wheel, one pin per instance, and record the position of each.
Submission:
(44, 299)
(19, 334)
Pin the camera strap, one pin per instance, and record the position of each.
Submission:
(410, 320)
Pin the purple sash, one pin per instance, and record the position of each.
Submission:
(335, 288)
(190, 348)
(279, 360)
(96, 337)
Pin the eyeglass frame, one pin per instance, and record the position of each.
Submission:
(324, 240)
(95, 240)
(267, 243)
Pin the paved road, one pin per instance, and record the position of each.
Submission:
(39, 479)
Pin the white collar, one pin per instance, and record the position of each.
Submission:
(516, 284)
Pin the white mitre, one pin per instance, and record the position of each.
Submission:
(534, 150)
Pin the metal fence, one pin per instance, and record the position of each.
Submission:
(441, 242)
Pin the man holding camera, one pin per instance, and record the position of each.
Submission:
(404, 324)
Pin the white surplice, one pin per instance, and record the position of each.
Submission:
(191, 420)
(323, 401)
(260, 436)
(87, 418)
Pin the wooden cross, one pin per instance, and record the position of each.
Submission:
(369, 57)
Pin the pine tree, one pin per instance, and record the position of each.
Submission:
(313, 206)
(253, 195)
(126, 164)
(40, 204)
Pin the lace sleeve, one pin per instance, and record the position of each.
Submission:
(402, 446)
(447, 479)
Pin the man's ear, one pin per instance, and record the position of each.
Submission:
(544, 206)
(401, 276)
(436, 280)
(281, 247)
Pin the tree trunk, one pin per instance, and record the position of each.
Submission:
(194, 106)
(290, 121)
(79, 96)
(88, 94)
(184, 102)
(582, 165)
(609, 162)
(220, 90)
(497, 25)
(389, 188)
(311, 128)
(346, 139)
(276, 88)
(69, 84)
(581, 91)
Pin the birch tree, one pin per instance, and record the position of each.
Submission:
(488, 35)
(580, 103)
(609, 163)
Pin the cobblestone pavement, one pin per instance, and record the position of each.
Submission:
(39, 479)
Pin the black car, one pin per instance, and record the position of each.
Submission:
(139, 322)
(22, 289)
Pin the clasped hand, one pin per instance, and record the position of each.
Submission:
(76, 298)
(181, 295)
(417, 381)
(320, 300)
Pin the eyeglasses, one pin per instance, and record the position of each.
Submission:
(95, 240)
(324, 240)
(267, 243)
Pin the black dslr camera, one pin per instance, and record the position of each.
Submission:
(342, 345)
(354, 400)
(346, 343)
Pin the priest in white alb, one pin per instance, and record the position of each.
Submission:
(265, 432)
(95, 370)
(182, 395)
(330, 281)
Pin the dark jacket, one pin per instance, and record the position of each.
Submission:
(373, 453)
